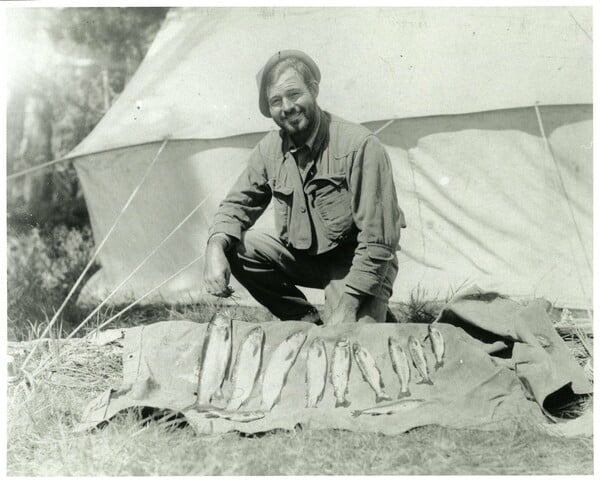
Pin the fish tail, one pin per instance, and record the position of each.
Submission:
(356, 413)
(404, 394)
(344, 403)
(426, 381)
(438, 365)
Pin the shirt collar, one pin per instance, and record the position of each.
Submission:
(315, 141)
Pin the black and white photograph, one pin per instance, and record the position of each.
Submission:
(344, 240)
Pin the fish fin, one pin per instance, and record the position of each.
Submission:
(381, 381)
(404, 394)
(289, 356)
(426, 337)
(382, 397)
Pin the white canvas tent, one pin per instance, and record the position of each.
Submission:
(486, 114)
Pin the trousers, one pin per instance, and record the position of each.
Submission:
(272, 272)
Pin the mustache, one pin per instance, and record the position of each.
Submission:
(296, 112)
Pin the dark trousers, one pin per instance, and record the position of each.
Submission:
(271, 272)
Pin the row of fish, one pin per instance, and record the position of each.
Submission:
(216, 357)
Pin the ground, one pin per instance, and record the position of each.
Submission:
(43, 413)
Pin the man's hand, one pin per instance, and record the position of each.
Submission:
(346, 310)
(216, 268)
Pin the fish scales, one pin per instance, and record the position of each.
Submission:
(215, 357)
(417, 355)
(340, 372)
(246, 367)
(316, 372)
(276, 372)
(400, 365)
(370, 371)
(437, 345)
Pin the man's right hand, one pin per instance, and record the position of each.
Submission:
(216, 268)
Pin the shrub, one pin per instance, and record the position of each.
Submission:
(42, 268)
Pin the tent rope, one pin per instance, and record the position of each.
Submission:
(36, 168)
(104, 324)
(140, 265)
(385, 126)
(91, 261)
(550, 152)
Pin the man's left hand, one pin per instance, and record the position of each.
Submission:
(346, 310)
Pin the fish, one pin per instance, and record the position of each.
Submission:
(390, 407)
(316, 372)
(415, 350)
(246, 367)
(437, 345)
(238, 416)
(370, 371)
(340, 372)
(400, 364)
(215, 357)
(275, 375)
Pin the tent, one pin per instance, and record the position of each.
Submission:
(486, 114)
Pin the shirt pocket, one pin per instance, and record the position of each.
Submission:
(282, 207)
(333, 204)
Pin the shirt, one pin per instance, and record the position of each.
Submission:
(347, 196)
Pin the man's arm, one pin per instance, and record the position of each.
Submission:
(239, 210)
(378, 218)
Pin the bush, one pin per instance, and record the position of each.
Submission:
(42, 268)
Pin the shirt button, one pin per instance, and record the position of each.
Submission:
(302, 209)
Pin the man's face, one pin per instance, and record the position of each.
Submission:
(293, 106)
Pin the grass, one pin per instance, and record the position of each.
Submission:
(41, 415)
(41, 444)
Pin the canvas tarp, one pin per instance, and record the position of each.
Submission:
(502, 360)
(486, 199)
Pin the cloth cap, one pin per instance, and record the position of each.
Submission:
(261, 77)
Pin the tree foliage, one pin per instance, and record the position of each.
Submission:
(66, 67)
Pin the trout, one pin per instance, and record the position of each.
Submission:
(400, 364)
(277, 370)
(370, 372)
(246, 367)
(418, 357)
(216, 354)
(316, 372)
(340, 372)
(437, 345)
(390, 407)
(238, 416)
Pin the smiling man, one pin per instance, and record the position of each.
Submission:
(336, 214)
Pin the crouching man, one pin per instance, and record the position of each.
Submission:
(336, 213)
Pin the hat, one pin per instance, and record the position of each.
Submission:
(279, 56)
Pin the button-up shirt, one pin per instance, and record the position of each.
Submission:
(347, 195)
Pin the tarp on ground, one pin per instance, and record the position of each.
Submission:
(486, 199)
(502, 360)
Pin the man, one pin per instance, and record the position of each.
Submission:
(336, 213)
